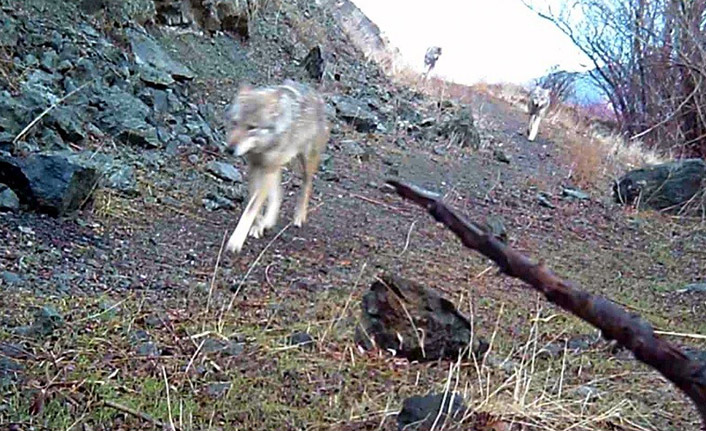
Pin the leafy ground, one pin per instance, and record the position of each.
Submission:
(158, 322)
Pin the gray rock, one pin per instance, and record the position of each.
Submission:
(501, 156)
(8, 199)
(235, 193)
(139, 133)
(661, 187)
(544, 201)
(301, 339)
(125, 116)
(496, 226)
(51, 140)
(352, 148)
(575, 194)
(50, 60)
(46, 321)
(138, 336)
(155, 77)
(66, 121)
(10, 278)
(420, 412)
(225, 171)
(9, 35)
(64, 66)
(224, 15)
(86, 69)
(123, 179)
(31, 60)
(223, 347)
(148, 349)
(48, 183)
(215, 202)
(122, 12)
(148, 52)
(386, 311)
(217, 390)
(693, 288)
(357, 113)
(10, 372)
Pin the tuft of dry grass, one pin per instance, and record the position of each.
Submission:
(596, 157)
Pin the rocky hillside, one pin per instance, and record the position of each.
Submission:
(118, 309)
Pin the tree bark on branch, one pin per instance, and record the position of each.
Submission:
(615, 323)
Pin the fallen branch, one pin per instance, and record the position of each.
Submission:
(614, 322)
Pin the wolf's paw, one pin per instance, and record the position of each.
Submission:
(257, 230)
(235, 244)
(299, 219)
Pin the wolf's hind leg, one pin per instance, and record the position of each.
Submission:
(310, 163)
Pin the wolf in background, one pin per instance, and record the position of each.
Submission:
(270, 126)
(538, 105)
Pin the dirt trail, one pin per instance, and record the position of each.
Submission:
(124, 261)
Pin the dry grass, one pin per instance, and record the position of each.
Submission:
(596, 157)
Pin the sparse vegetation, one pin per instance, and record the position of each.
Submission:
(162, 328)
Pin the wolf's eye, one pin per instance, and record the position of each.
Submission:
(251, 127)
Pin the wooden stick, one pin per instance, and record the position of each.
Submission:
(614, 322)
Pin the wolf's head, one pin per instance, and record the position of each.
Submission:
(255, 119)
(540, 96)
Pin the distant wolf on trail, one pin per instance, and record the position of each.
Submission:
(430, 58)
(270, 126)
(538, 105)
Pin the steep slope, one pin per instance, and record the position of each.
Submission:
(154, 319)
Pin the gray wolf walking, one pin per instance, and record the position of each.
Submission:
(269, 127)
(538, 105)
(430, 58)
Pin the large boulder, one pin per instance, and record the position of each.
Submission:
(414, 321)
(48, 183)
(124, 12)
(157, 67)
(357, 113)
(210, 15)
(667, 186)
(125, 116)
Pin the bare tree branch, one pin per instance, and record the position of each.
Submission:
(615, 323)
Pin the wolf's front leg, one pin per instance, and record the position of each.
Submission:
(237, 239)
(270, 186)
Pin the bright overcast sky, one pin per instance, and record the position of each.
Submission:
(488, 40)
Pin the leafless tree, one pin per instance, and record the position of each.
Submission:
(649, 59)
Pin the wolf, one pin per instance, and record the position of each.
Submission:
(538, 105)
(270, 126)
(430, 58)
